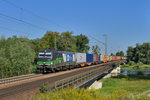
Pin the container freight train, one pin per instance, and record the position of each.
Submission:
(53, 60)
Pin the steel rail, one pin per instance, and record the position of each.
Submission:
(28, 87)
(18, 78)
(76, 79)
(25, 77)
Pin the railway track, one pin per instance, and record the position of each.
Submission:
(10, 80)
(19, 90)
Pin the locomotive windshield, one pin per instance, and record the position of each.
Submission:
(48, 55)
(41, 54)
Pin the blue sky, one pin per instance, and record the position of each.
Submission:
(126, 22)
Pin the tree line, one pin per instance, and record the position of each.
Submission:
(16, 57)
(64, 41)
(139, 54)
(18, 54)
(120, 53)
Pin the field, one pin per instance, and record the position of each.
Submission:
(136, 66)
(135, 84)
(116, 88)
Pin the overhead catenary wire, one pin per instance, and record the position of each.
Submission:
(94, 38)
(10, 17)
(8, 29)
(12, 4)
(97, 40)
(32, 13)
(29, 12)
(36, 15)
(14, 30)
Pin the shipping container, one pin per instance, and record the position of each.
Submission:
(100, 58)
(97, 58)
(124, 58)
(103, 58)
(118, 57)
(64, 57)
(89, 57)
(94, 58)
(110, 58)
(114, 57)
(107, 58)
(80, 57)
(68, 56)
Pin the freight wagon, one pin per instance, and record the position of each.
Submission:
(80, 59)
(89, 59)
(95, 59)
(100, 59)
(53, 60)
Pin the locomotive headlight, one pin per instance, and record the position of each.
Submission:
(51, 62)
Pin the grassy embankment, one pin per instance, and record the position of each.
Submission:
(135, 84)
(116, 88)
(135, 66)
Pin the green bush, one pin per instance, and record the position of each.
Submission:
(44, 88)
(16, 57)
(131, 63)
(83, 94)
(139, 63)
(125, 66)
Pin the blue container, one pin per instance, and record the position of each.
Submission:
(89, 57)
(99, 57)
(69, 57)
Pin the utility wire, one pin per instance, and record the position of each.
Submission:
(32, 13)
(35, 26)
(100, 42)
(11, 29)
(12, 4)
(14, 30)
(97, 40)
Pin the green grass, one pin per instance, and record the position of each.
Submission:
(136, 66)
(81, 94)
(116, 88)
(132, 84)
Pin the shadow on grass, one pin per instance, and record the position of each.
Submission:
(133, 77)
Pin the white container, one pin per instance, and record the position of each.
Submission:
(64, 57)
(80, 57)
